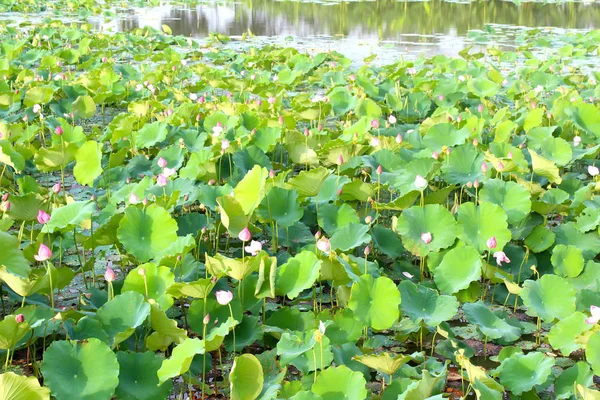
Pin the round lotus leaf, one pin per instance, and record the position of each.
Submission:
(138, 379)
(297, 274)
(549, 297)
(540, 239)
(463, 166)
(459, 267)
(280, 205)
(520, 373)
(120, 316)
(592, 352)
(18, 387)
(375, 302)
(514, 199)
(158, 279)
(246, 378)
(477, 224)
(433, 219)
(88, 368)
(421, 303)
(489, 323)
(383, 362)
(562, 335)
(567, 260)
(146, 233)
(340, 383)
(180, 360)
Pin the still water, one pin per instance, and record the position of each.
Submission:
(364, 27)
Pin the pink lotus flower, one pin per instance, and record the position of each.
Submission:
(133, 199)
(43, 217)
(5, 206)
(56, 188)
(162, 162)
(245, 235)
(595, 317)
(224, 144)
(58, 130)
(392, 120)
(323, 244)
(420, 182)
(217, 129)
(475, 142)
(491, 243)
(224, 297)
(162, 180)
(374, 142)
(576, 141)
(44, 253)
(20, 318)
(426, 237)
(37, 108)
(254, 248)
(593, 170)
(271, 100)
(480, 108)
(109, 274)
(167, 172)
(500, 257)
(375, 124)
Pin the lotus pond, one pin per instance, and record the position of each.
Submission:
(185, 219)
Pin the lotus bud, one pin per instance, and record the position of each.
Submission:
(491, 243)
(162, 180)
(339, 192)
(271, 174)
(469, 184)
(142, 271)
(484, 167)
(593, 170)
(475, 142)
(44, 253)
(500, 166)
(435, 155)
(367, 250)
(206, 319)
(509, 155)
(374, 142)
(459, 118)
(480, 108)
(306, 132)
(5, 206)
(340, 160)
(43, 217)
(186, 197)
(56, 188)
(368, 219)
(375, 124)
(224, 144)
(224, 297)
(20, 318)
(420, 182)
(318, 235)
(441, 97)
(281, 120)
(323, 244)
(379, 170)
(576, 141)
(109, 274)
(133, 199)
(211, 182)
(145, 201)
(245, 235)
(58, 130)
(271, 100)
(213, 279)
(476, 183)
(93, 197)
(162, 162)
(392, 120)
(426, 237)
(399, 138)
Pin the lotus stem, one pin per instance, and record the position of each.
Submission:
(49, 271)
(203, 357)
(145, 286)
(233, 329)
(315, 363)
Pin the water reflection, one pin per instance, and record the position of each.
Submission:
(442, 24)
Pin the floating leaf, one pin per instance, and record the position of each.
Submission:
(459, 267)
(421, 303)
(549, 297)
(520, 373)
(375, 302)
(138, 379)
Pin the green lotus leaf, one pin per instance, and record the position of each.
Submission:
(267, 275)
(383, 362)
(463, 165)
(477, 224)
(12, 258)
(247, 332)
(232, 215)
(421, 303)
(219, 316)
(433, 219)
(567, 260)
(291, 319)
(585, 116)
(151, 134)
(568, 234)
(120, 316)
(483, 87)
(138, 379)
(180, 360)
(146, 233)
(11, 332)
(281, 206)
(246, 378)
(69, 216)
(297, 274)
(340, 383)
(489, 323)
(592, 351)
(544, 167)
(292, 345)
(157, 280)
(588, 219)
(514, 199)
(424, 388)
(199, 289)
(556, 149)
(549, 297)
(533, 120)
(459, 267)
(17, 387)
(405, 182)
(88, 327)
(25, 208)
(520, 373)
(375, 302)
(165, 329)
(562, 335)
(445, 134)
(89, 162)
(84, 107)
(540, 239)
(88, 368)
(387, 241)
(38, 95)
(11, 157)
(236, 268)
(341, 100)
(332, 217)
(251, 189)
(578, 374)
(309, 183)
(350, 237)
(345, 328)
